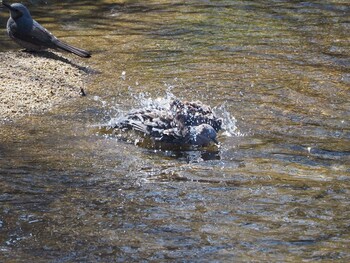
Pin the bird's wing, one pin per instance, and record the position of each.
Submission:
(38, 35)
(139, 126)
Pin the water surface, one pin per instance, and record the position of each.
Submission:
(276, 190)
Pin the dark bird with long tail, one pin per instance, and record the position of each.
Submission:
(28, 33)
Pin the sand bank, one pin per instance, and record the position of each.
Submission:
(35, 83)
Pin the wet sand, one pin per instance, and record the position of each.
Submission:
(37, 82)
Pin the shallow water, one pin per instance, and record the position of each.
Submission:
(276, 190)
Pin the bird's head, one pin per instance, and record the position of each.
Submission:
(203, 135)
(17, 10)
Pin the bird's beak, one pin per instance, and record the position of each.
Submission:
(9, 7)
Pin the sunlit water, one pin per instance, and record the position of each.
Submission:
(277, 189)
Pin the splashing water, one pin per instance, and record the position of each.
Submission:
(145, 101)
(229, 126)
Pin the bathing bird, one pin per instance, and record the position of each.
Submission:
(28, 33)
(183, 123)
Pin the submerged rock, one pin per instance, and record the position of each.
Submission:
(182, 123)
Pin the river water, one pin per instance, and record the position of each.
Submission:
(276, 190)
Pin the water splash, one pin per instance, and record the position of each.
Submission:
(229, 126)
(145, 101)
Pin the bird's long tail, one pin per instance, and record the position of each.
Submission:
(77, 51)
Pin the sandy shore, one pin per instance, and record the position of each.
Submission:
(34, 83)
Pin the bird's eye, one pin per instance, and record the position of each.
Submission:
(18, 13)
